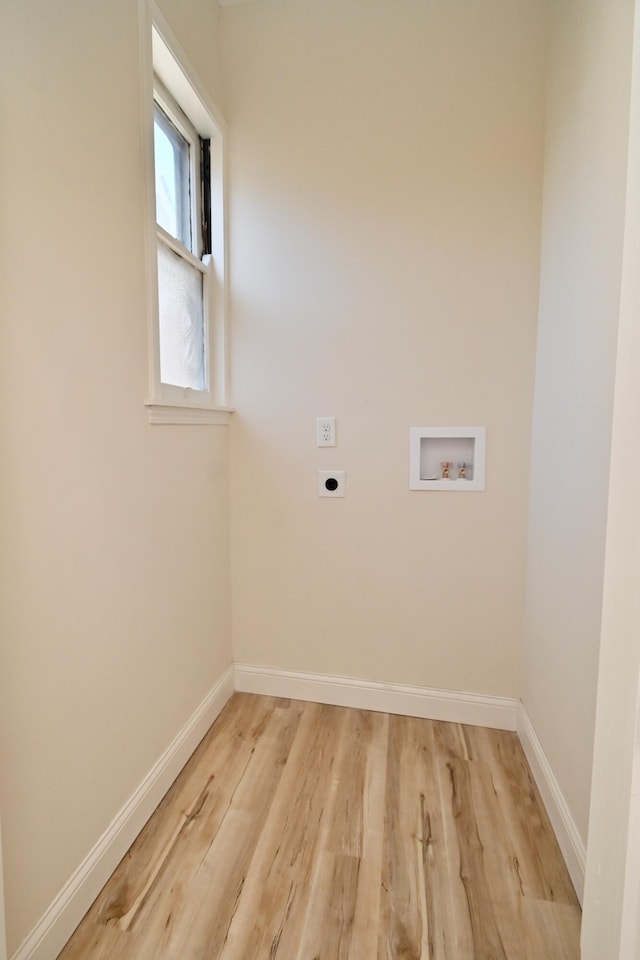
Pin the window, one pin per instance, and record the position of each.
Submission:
(188, 361)
(183, 249)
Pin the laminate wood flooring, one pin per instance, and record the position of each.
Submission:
(299, 831)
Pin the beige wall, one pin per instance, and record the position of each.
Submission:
(386, 166)
(584, 194)
(114, 607)
(611, 925)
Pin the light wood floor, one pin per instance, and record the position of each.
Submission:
(306, 832)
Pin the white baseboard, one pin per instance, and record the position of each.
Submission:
(566, 831)
(53, 930)
(476, 709)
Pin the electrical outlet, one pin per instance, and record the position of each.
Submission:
(326, 431)
(331, 483)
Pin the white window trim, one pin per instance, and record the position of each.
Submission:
(162, 56)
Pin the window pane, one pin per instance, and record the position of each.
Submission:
(180, 302)
(173, 203)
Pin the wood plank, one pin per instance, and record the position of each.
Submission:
(487, 941)
(409, 897)
(270, 915)
(535, 929)
(509, 799)
(208, 876)
(346, 886)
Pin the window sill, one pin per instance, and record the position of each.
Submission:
(174, 413)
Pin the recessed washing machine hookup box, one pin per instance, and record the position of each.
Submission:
(447, 458)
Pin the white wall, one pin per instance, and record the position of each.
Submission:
(611, 924)
(583, 219)
(114, 579)
(386, 166)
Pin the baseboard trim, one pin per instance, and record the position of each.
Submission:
(568, 836)
(53, 930)
(498, 712)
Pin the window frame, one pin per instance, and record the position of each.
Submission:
(169, 79)
(191, 217)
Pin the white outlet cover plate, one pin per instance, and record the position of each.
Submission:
(326, 431)
(337, 475)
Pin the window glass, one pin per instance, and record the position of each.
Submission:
(181, 316)
(172, 169)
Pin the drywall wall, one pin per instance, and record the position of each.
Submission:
(611, 922)
(583, 218)
(386, 162)
(115, 619)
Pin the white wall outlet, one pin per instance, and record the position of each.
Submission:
(326, 431)
(331, 483)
